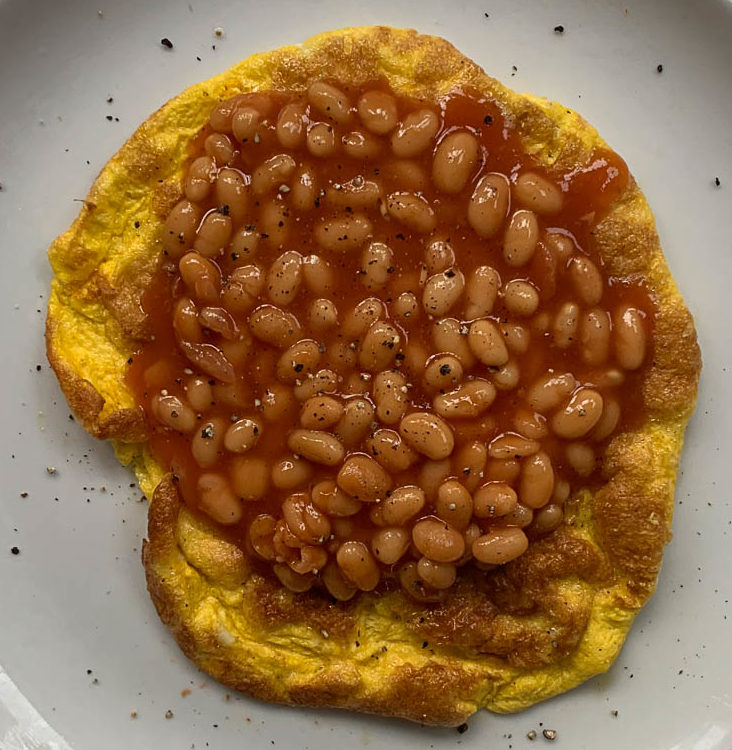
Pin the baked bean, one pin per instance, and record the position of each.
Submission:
(550, 390)
(454, 163)
(360, 145)
(415, 133)
(438, 256)
(519, 240)
(481, 292)
(243, 245)
(320, 412)
(487, 344)
(323, 381)
(427, 434)
(243, 435)
(242, 288)
(219, 147)
(213, 235)
(200, 177)
(220, 118)
(388, 448)
(610, 378)
(521, 298)
(437, 575)
(586, 280)
(210, 359)
(537, 480)
(284, 277)
(363, 478)
(469, 400)
(378, 112)
(304, 520)
(274, 326)
(405, 306)
(249, 477)
(231, 192)
(547, 519)
(390, 544)
(317, 275)
(500, 545)
(206, 442)
(520, 516)
(403, 503)
(179, 230)
(415, 358)
(379, 347)
(442, 291)
(541, 322)
(172, 412)
(198, 392)
(218, 320)
(362, 317)
(237, 350)
(345, 233)
(629, 337)
(595, 337)
(261, 531)
(316, 446)
(562, 490)
(322, 315)
(438, 540)
(511, 445)
(608, 421)
(291, 473)
(560, 245)
(331, 499)
(507, 376)
(493, 500)
(377, 263)
(201, 276)
(432, 474)
(566, 324)
(579, 416)
(488, 205)
(357, 193)
(581, 457)
(530, 424)
(278, 403)
(342, 356)
(390, 396)
(234, 394)
(312, 559)
(450, 335)
(443, 373)
(303, 193)
(246, 123)
(358, 565)
(538, 193)
(272, 173)
(274, 223)
(411, 210)
(298, 360)
(186, 324)
(469, 463)
(415, 586)
(297, 582)
(321, 140)
(216, 499)
(329, 101)
(517, 337)
(454, 504)
(291, 125)
(339, 587)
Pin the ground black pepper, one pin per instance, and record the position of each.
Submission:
(15, 550)
(166, 42)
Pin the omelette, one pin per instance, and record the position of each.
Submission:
(536, 528)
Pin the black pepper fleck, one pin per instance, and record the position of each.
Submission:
(15, 550)
(166, 42)
(717, 182)
(462, 729)
(659, 68)
(559, 29)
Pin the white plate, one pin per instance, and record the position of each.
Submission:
(78, 634)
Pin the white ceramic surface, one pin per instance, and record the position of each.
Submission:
(78, 634)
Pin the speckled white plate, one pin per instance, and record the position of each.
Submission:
(78, 635)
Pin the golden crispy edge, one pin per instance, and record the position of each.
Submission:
(385, 655)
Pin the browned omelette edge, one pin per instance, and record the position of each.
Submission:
(609, 556)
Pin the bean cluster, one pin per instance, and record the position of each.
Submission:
(391, 359)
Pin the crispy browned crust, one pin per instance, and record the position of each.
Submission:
(532, 629)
